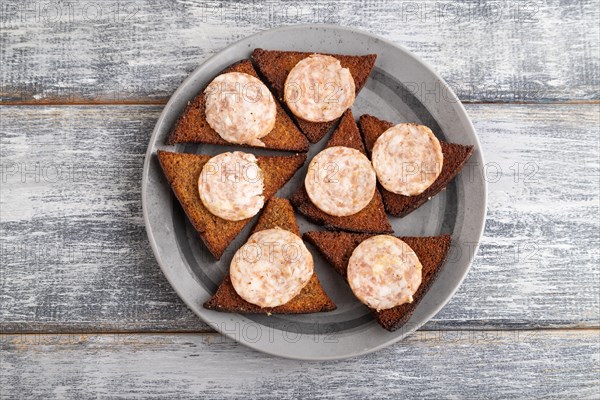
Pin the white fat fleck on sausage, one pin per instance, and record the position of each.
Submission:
(271, 268)
(340, 181)
(407, 159)
(231, 186)
(384, 272)
(318, 89)
(240, 108)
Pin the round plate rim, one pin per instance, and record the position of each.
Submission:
(166, 112)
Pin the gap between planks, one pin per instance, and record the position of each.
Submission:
(212, 332)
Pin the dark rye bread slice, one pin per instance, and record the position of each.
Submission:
(337, 247)
(192, 127)
(182, 171)
(370, 219)
(276, 65)
(278, 213)
(455, 157)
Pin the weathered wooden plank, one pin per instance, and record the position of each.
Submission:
(75, 254)
(432, 365)
(140, 51)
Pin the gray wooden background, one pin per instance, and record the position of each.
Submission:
(84, 308)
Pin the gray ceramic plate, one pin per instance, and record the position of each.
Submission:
(401, 88)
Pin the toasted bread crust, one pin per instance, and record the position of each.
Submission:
(192, 127)
(455, 157)
(432, 252)
(275, 66)
(312, 299)
(337, 247)
(372, 218)
(278, 213)
(182, 172)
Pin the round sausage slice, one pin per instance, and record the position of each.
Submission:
(231, 186)
(340, 181)
(384, 272)
(240, 108)
(271, 268)
(318, 89)
(407, 159)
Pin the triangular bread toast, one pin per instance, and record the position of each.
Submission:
(275, 66)
(455, 157)
(192, 127)
(182, 172)
(277, 213)
(337, 247)
(372, 218)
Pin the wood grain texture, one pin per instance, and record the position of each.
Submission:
(75, 254)
(429, 365)
(140, 51)
(77, 270)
